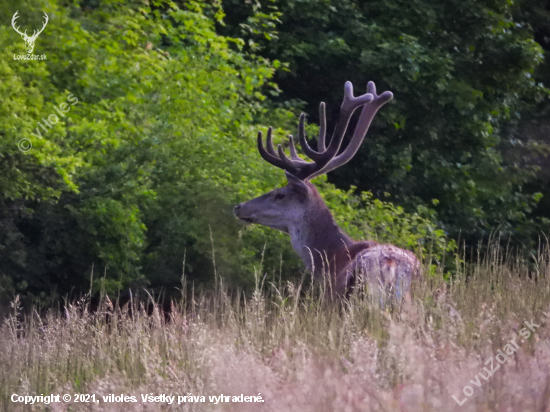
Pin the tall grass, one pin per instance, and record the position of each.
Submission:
(298, 351)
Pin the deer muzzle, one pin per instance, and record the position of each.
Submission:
(238, 212)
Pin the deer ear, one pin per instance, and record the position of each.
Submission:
(296, 184)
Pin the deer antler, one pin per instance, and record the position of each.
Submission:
(47, 19)
(326, 159)
(15, 16)
(35, 32)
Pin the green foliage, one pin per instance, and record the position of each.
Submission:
(158, 99)
(532, 142)
(462, 73)
(366, 217)
(147, 165)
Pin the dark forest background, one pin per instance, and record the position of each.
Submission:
(137, 183)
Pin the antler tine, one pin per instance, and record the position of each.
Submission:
(322, 128)
(269, 142)
(312, 154)
(367, 114)
(293, 154)
(268, 157)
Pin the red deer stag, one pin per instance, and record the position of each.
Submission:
(298, 210)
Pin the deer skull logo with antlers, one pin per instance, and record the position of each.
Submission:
(29, 40)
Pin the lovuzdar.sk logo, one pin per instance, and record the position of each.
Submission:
(29, 40)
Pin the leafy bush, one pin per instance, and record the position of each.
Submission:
(147, 166)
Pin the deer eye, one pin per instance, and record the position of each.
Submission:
(279, 196)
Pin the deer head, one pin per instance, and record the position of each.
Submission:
(285, 207)
(298, 210)
(29, 40)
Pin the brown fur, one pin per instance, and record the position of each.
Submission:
(299, 210)
(350, 262)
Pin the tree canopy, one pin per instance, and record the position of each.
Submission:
(467, 76)
(123, 153)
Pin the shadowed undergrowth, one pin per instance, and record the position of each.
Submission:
(299, 352)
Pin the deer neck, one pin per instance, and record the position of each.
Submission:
(318, 239)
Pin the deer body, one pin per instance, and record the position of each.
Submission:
(298, 210)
